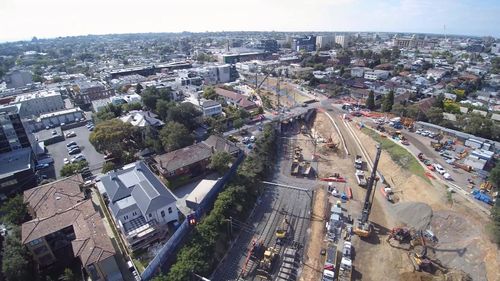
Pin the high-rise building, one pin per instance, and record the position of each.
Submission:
(305, 43)
(325, 41)
(13, 134)
(409, 43)
(342, 40)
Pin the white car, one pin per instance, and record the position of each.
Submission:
(439, 169)
(78, 158)
(66, 161)
(446, 176)
(71, 134)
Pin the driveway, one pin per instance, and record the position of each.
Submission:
(58, 150)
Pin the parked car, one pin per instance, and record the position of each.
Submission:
(446, 176)
(66, 161)
(75, 150)
(71, 143)
(54, 132)
(41, 166)
(78, 158)
(73, 147)
(71, 134)
(91, 128)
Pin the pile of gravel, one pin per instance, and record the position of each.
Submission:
(413, 214)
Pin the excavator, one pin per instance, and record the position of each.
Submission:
(363, 227)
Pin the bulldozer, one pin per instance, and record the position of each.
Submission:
(266, 264)
(400, 234)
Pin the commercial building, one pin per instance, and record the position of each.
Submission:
(57, 118)
(17, 78)
(84, 92)
(325, 41)
(408, 43)
(66, 225)
(241, 57)
(13, 133)
(342, 40)
(217, 74)
(36, 103)
(141, 205)
(306, 43)
(17, 171)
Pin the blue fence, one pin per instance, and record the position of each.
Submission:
(175, 240)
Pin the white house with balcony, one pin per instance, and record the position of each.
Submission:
(141, 205)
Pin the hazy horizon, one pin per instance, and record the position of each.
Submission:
(24, 19)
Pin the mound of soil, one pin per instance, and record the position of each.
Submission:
(413, 214)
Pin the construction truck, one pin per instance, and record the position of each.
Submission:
(345, 269)
(282, 231)
(436, 145)
(387, 193)
(328, 275)
(360, 177)
(266, 264)
(464, 167)
(400, 234)
(363, 227)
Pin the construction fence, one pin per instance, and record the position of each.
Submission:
(175, 241)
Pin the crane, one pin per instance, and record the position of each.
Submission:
(364, 228)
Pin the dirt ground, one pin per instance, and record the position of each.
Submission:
(463, 244)
(313, 261)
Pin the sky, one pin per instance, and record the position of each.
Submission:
(23, 19)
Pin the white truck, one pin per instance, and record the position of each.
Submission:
(328, 275)
(360, 177)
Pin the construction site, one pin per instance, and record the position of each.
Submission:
(340, 208)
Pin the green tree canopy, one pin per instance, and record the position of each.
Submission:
(108, 166)
(186, 114)
(434, 115)
(220, 161)
(174, 136)
(209, 93)
(388, 102)
(109, 136)
(14, 210)
(16, 260)
(370, 101)
(73, 168)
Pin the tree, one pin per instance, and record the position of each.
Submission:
(162, 108)
(108, 166)
(138, 88)
(73, 168)
(439, 101)
(186, 114)
(209, 93)
(160, 277)
(434, 115)
(494, 177)
(14, 210)
(131, 106)
(174, 135)
(109, 136)
(451, 106)
(370, 101)
(388, 102)
(399, 110)
(68, 275)
(220, 161)
(238, 123)
(16, 260)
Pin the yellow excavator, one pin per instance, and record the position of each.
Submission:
(363, 228)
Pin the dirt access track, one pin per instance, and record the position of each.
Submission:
(463, 244)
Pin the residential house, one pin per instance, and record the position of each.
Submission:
(65, 226)
(193, 159)
(377, 75)
(140, 204)
(210, 108)
(140, 118)
(236, 99)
